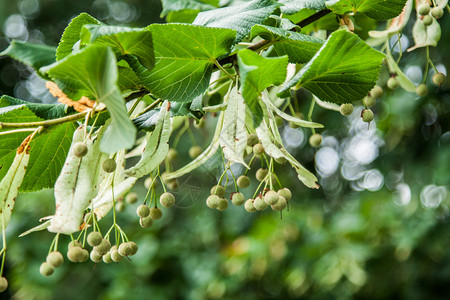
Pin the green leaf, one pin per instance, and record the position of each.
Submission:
(233, 137)
(44, 111)
(182, 16)
(258, 73)
(33, 55)
(185, 55)
(128, 80)
(157, 145)
(47, 156)
(344, 70)
(376, 9)
(122, 40)
(240, 17)
(71, 34)
(292, 6)
(300, 48)
(92, 72)
(177, 5)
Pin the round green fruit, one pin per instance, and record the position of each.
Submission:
(96, 257)
(132, 248)
(369, 101)
(155, 213)
(258, 149)
(427, 20)
(115, 256)
(315, 140)
(218, 190)
(261, 174)
(243, 181)
(89, 218)
(346, 109)
(280, 205)
(367, 115)
(109, 165)
(252, 140)
(55, 259)
(76, 254)
(107, 258)
(80, 149)
(213, 201)
(195, 151)
(167, 199)
(422, 90)
(172, 154)
(103, 247)
(437, 12)
(94, 238)
(377, 92)
(392, 83)
(143, 211)
(3, 284)
(74, 244)
(131, 198)
(150, 183)
(46, 269)
(146, 222)
(223, 204)
(237, 199)
(249, 206)
(285, 193)
(423, 9)
(271, 198)
(439, 79)
(260, 204)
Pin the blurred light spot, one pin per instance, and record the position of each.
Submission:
(430, 114)
(330, 141)
(402, 195)
(402, 45)
(352, 171)
(122, 12)
(445, 139)
(294, 138)
(441, 68)
(15, 27)
(431, 196)
(393, 178)
(414, 73)
(362, 149)
(327, 161)
(29, 8)
(373, 180)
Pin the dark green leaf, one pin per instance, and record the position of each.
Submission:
(44, 111)
(376, 9)
(344, 70)
(92, 72)
(258, 73)
(122, 40)
(240, 17)
(71, 34)
(292, 6)
(33, 55)
(185, 55)
(177, 5)
(47, 156)
(300, 48)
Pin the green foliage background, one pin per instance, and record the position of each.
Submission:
(333, 243)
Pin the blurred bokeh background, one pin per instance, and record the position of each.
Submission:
(377, 229)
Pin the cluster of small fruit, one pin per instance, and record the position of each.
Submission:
(266, 197)
(427, 13)
(369, 101)
(147, 215)
(101, 251)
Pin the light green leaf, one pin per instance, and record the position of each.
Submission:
(300, 48)
(258, 73)
(9, 186)
(327, 105)
(44, 111)
(292, 6)
(177, 5)
(122, 40)
(303, 123)
(33, 55)
(233, 137)
(240, 17)
(376, 9)
(202, 158)
(426, 35)
(344, 70)
(157, 145)
(71, 34)
(48, 152)
(92, 72)
(185, 55)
